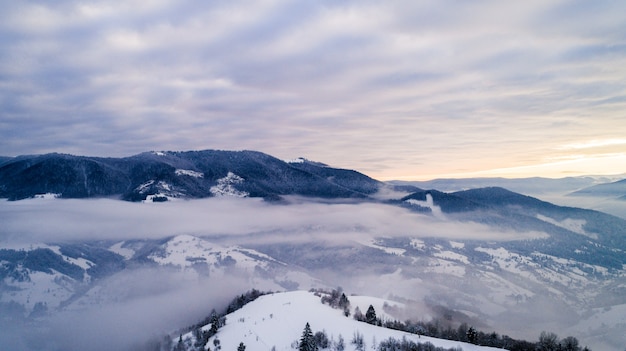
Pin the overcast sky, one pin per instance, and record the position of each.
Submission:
(394, 89)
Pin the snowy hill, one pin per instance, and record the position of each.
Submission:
(277, 321)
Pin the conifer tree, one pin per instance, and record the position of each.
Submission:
(180, 346)
(215, 322)
(471, 334)
(370, 315)
(344, 304)
(307, 342)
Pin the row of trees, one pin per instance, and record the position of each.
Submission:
(465, 333)
(392, 344)
(310, 341)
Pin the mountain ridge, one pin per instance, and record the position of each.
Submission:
(613, 190)
(176, 174)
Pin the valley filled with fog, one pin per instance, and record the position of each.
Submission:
(152, 268)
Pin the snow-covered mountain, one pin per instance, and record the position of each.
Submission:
(488, 256)
(42, 278)
(276, 322)
(158, 176)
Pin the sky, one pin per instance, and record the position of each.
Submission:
(395, 89)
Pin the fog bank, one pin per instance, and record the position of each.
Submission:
(62, 220)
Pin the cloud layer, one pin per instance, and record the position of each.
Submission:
(402, 88)
(234, 220)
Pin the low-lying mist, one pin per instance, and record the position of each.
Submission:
(147, 302)
(36, 220)
(135, 306)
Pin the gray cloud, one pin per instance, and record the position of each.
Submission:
(409, 79)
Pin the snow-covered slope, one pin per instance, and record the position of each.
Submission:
(200, 257)
(276, 322)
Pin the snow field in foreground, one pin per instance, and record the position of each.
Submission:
(278, 320)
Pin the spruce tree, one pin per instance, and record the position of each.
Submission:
(344, 304)
(215, 323)
(471, 335)
(370, 315)
(307, 342)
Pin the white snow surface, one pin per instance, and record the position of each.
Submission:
(452, 256)
(418, 244)
(188, 172)
(226, 186)
(574, 225)
(296, 160)
(376, 244)
(186, 250)
(47, 196)
(50, 289)
(144, 186)
(278, 320)
(122, 251)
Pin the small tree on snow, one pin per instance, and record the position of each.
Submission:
(357, 340)
(241, 347)
(370, 315)
(214, 322)
(180, 346)
(321, 340)
(344, 304)
(340, 345)
(307, 341)
(358, 315)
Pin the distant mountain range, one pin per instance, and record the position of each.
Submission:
(158, 176)
(608, 190)
(541, 265)
(530, 186)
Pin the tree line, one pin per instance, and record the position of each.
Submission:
(443, 330)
